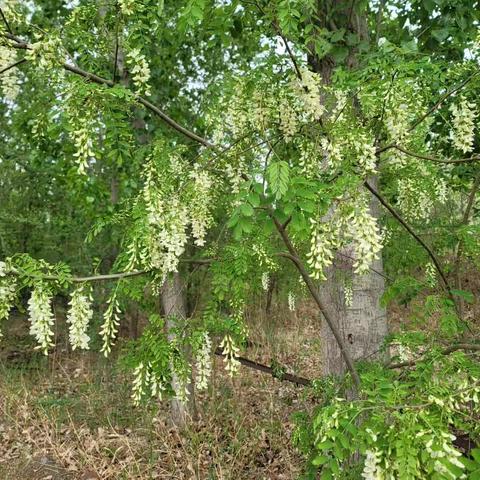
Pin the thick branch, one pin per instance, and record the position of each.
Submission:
(292, 256)
(288, 377)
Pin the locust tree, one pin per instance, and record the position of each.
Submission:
(305, 139)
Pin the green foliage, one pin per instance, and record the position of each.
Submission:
(404, 423)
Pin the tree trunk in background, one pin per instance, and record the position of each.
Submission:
(174, 306)
(363, 324)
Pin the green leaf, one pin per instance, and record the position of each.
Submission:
(278, 174)
(441, 34)
(320, 460)
(246, 209)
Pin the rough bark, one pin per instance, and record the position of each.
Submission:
(174, 307)
(363, 325)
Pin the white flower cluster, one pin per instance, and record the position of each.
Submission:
(413, 200)
(291, 301)
(332, 152)
(365, 154)
(397, 123)
(308, 90)
(169, 235)
(9, 79)
(348, 294)
(168, 220)
(127, 7)
(140, 70)
(199, 208)
(203, 363)
(83, 148)
(8, 294)
(265, 281)
(288, 119)
(78, 317)
(372, 469)
(41, 317)
(365, 234)
(111, 321)
(322, 244)
(145, 379)
(431, 274)
(139, 383)
(443, 453)
(230, 351)
(47, 54)
(463, 121)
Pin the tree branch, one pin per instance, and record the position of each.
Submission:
(13, 65)
(474, 158)
(288, 377)
(5, 22)
(110, 276)
(453, 348)
(439, 102)
(143, 101)
(459, 246)
(293, 257)
(409, 229)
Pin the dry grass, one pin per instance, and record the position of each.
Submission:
(70, 417)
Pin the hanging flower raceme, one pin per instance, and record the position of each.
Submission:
(48, 54)
(168, 219)
(199, 210)
(308, 91)
(372, 469)
(8, 293)
(9, 78)
(365, 153)
(79, 316)
(321, 249)
(365, 235)
(463, 121)
(111, 321)
(203, 363)
(230, 351)
(41, 317)
(265, 281)
(291, 301)
(140, 70)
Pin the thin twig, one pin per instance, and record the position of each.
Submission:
(439, 102)
(13, 65)
(143, 101)
(266, 369)
(474, 158)
(6, 22)
(453, 348)
(409, 229)
(293, 257)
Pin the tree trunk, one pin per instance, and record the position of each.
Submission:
(174, 306)
(363, 323)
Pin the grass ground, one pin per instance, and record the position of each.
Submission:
(70, 416)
